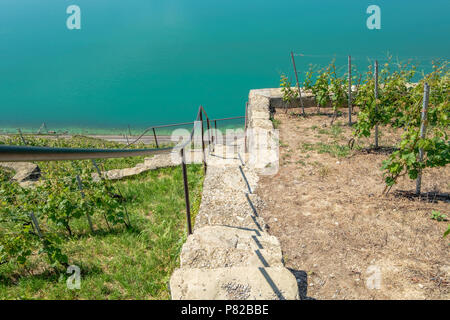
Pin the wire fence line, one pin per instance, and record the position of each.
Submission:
(371, 58)
(12, 153)
(128, 136)
(154, 128)
(424, 62)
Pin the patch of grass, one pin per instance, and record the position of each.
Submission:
(306, 146)
(121, 163)
(335, 150)
(336, 131)
(5, 174)
(133, 263)
(276, 123)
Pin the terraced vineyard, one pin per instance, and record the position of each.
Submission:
(137, 222)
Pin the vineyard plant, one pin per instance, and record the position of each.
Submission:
(399, 105)
(45, 228)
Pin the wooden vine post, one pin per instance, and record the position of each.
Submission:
(423, 128)
(21, 136)
(349, 90)
(376, 104)
(298, 85)
(80, 187)
(36, 224)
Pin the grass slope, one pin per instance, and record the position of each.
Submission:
(133, 263)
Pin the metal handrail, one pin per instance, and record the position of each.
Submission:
(30, 153)
(25, 153)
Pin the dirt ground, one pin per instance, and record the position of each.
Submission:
(340, 236)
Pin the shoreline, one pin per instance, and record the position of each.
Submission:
(147, 139)
(98, 131)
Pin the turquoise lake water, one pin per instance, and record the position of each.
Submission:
(148, 62)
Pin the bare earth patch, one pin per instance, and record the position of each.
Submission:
(336, 229)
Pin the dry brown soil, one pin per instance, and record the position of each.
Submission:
(339, 234)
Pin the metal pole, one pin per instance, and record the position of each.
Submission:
(97, 168)
(298, 85)
(349, 90)
(245, 127)
(376, 105)
(423, 128)
(80, 187)
(209, 133)
(186, 193)
(156, 140)
(203, 143)
(215, 129)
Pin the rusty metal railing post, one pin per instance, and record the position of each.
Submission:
(209, 134)
(245, 128)
(215, 129)
(186, 193)
(156, 140)
(203, 143)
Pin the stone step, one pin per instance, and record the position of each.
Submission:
(224, 217)
(238, 283)
(233, 178)
(211, 258)
(219, 246)
(231, 237)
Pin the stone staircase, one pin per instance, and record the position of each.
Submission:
(230, 255)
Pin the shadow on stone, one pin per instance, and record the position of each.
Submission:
(245, 179)
(302, 283)
(272, 284)
(255, 212)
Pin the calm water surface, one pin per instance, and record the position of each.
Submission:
(150, 62)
